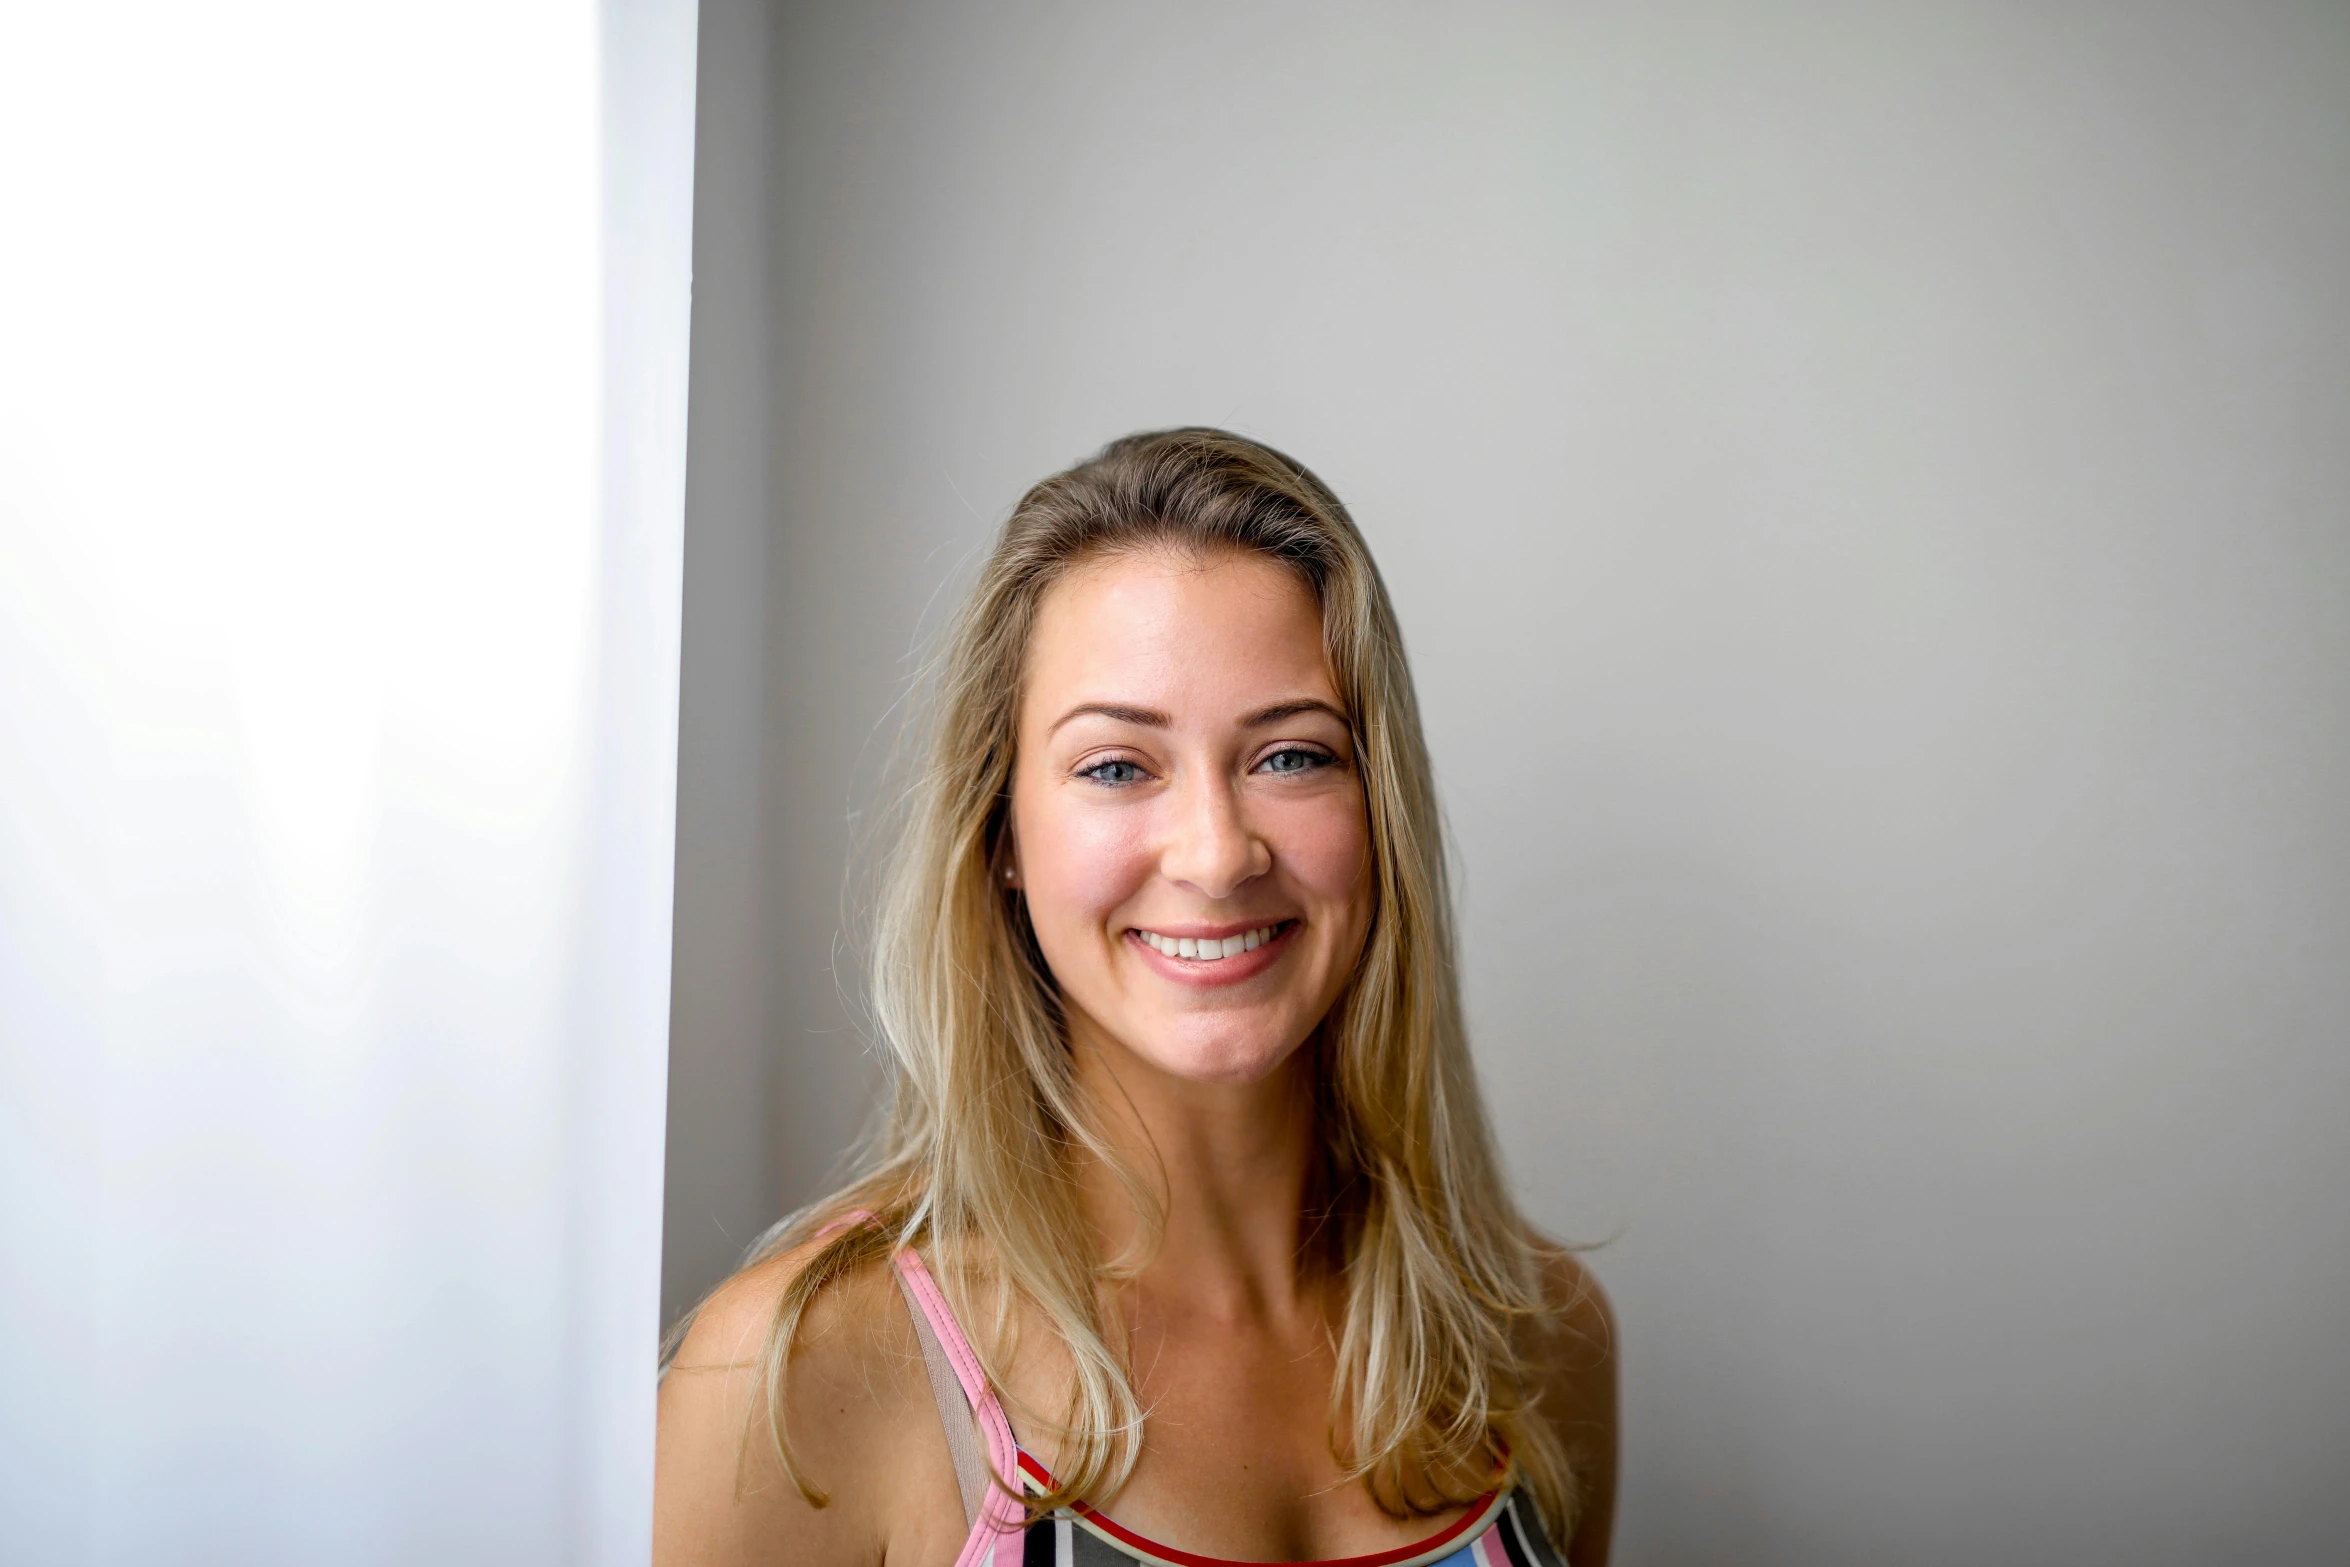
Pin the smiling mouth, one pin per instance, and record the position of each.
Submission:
(1209, 949)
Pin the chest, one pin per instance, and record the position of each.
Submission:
(1237, 1459)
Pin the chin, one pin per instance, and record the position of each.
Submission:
(1248, 1058)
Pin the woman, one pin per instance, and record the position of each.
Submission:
(1186, 1241)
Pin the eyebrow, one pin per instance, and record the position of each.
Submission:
(1147, 717)
(1152, 718)
(1286, 710)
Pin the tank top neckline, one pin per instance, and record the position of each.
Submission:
(1433, 1547)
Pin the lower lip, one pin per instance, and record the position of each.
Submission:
(1208, 973)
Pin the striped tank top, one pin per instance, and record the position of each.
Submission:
(1499, 1531)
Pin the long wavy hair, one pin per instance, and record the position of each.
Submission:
(976, 1157)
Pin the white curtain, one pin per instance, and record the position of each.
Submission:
(342, 432)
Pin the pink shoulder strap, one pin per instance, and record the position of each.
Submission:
(999, 1511)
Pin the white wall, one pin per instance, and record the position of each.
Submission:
(1868, 491)
(342, 446)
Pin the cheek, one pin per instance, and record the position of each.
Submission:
(1326, 845)
(1078, 865)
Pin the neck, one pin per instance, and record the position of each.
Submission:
(1231, 1163)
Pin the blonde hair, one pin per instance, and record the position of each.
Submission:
(975, 1160)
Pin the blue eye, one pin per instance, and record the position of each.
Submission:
(1116, 771)
(1293, 760)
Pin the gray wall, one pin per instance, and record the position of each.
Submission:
(1868, 491)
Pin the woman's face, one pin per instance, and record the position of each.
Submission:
(1187, 818)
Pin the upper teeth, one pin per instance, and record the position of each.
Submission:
(1208, 947)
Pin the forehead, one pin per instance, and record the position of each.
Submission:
(1172, 626)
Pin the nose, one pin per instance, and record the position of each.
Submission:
(1212, 849)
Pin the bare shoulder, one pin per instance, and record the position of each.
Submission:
(1577, 1354)
(851, 1401)
(856, 1323)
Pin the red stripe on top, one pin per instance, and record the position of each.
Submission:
(1402, 1553)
